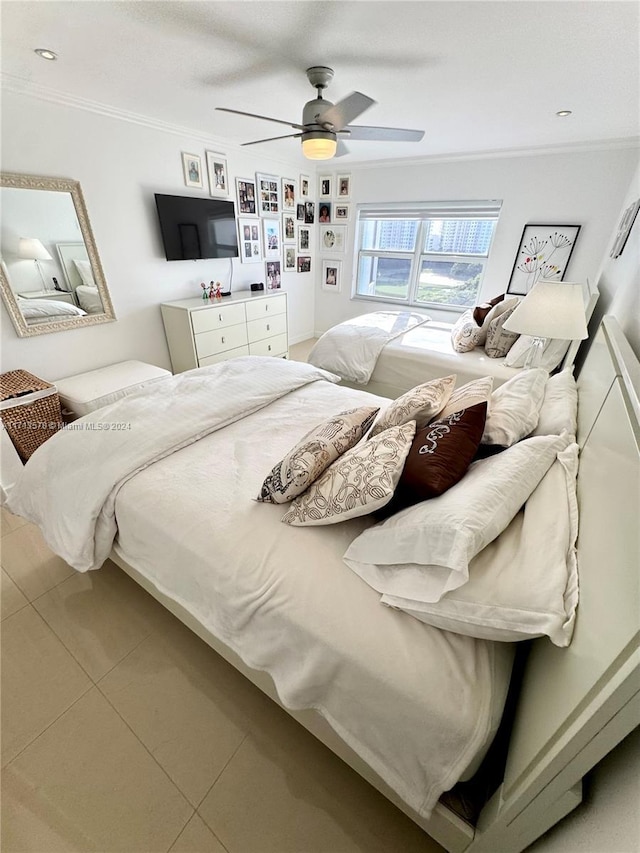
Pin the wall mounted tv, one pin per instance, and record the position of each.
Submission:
(194, 228)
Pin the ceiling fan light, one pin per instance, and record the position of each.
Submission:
(319, 146)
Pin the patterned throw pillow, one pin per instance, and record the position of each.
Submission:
(480, 311)
(420, 404)
(477, 391)
(468, 334)
(499, 341)
(361, 481)
(314, 453)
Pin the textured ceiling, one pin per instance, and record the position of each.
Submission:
(476, 76)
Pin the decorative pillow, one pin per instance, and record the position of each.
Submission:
(559, 411)
(85, 272)
(314, 453)
(466, 396)
(420, 404)
(554, 351)
(465, 334)
(499, 341)
(514, 407)
(424, 551)
(523, 584)
(359, 482)
(480, 311)
(440, 455)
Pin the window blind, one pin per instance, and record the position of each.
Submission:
(432, 210)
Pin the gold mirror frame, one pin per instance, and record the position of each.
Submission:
(63, 185)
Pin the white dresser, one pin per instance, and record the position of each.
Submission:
(202, 332)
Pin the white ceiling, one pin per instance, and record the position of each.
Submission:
(476, 76)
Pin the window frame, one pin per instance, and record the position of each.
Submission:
(423, 213)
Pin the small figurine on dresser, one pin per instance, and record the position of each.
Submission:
(205, 294)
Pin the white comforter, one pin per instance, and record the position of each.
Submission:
(351, 349)
(72, 499)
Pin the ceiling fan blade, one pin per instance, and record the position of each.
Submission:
(273, 138)
(266, 118)
(341, 150)
(384, 134)
(345, 110)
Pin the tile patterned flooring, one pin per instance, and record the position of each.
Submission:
(122, 731)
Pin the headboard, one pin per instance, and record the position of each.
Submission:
(68, 253)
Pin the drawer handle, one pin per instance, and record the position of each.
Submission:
(269, 347)
(223, 339)
(268, 328)
(266, 307)
(220, 317)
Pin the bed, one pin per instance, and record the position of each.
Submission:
(316, 639)
(388, 352)
(37, 311)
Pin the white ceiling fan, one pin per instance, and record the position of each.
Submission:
(325, 125)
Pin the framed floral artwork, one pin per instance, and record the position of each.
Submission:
(192, 168)
(543, 255)
(268, 195)
(343, 186)
(332, 238)
(246, 194)
(288, 194)
(332, 276)
(218, 174)
(271, 238)
(249, 240)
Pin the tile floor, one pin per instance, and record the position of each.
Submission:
(122, 731)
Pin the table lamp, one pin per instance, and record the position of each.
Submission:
(551, 309)
(32, 249)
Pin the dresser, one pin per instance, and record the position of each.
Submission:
(202, 332)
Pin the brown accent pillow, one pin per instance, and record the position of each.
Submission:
(439, 457)
(480, 311)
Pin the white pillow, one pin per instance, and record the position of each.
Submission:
(424, 551)
(514, 408)
(466, 396)
(420, 404)
(524, 584)
(362, 480)
(554, 351)
(85, 272)
(559, 411)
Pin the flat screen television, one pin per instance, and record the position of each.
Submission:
(194, 228)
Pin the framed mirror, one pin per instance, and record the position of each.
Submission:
(51, 277)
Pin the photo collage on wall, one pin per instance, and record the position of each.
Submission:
(334, 211)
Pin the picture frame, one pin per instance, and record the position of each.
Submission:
(324, 212)
(305, 186)
(288, 228)
(300, 212)
(309, 212)
(246, 196)
(192, 169)
(249, 240)
(332, 238)
(273, 275)
(341, 212)
(268, 197)
(343, 186)
(288, 194)
(624, 229)
(303, 263)
(543, 254)
(325, 186)
(304, 238)
(289, 258)
(332, 276)
(271, 240)
(218, 173)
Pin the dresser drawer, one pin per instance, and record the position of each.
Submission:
(260, 329)
(266, 307)
(270, 346)
(217, 317)
(223, 356)
(210, 343)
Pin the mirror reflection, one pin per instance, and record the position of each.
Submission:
(51, 274)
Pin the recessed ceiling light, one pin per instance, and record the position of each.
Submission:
(563, 113)
(46, 54)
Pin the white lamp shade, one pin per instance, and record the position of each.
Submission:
(32, 248)
(551, 309)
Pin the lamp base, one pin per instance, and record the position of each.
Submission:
(534, 356)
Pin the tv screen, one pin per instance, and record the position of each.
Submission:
(194, 228)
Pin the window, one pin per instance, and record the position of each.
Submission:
(429, 254)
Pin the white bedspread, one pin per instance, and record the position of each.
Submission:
(351, 349)
(71, 498)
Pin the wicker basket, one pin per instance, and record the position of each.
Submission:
(29, 409)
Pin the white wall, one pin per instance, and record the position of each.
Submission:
(120, 166)
(582, 187)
